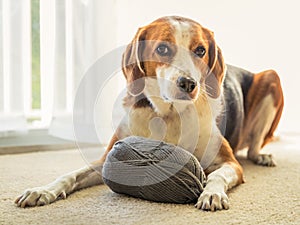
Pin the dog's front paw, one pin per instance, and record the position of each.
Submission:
(212, 201)
(36, 197)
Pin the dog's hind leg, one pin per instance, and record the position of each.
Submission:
(263, 106)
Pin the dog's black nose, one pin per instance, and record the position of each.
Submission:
(186, 84)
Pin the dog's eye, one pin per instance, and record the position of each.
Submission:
(163, 50)
(200, 51)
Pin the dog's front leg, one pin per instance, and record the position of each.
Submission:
(222, 176)
(60, 188)
(66, 184)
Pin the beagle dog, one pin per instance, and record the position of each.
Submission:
(178, 82)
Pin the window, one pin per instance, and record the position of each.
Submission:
(35, 53)
(47, 48)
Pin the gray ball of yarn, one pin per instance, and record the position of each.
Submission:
(153, 170)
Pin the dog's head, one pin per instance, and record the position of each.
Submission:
(173, 59)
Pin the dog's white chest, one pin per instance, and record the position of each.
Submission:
(184, 130)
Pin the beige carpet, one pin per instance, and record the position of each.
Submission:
(270, 195)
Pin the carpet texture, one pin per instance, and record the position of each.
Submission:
(269, 196)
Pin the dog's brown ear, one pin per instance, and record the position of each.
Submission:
(216, 69)
(132, 64)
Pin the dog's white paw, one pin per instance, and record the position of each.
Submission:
(265, 160)
(37, 197)
(212, 201)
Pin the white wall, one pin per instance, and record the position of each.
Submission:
(255, 35)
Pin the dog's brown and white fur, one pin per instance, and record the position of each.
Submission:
(175, 72)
